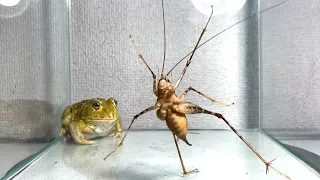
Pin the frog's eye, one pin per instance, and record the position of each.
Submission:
(167, 80)
(96, 105)
(115, 103)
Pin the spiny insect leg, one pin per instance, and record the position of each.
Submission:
(268, 164)
(141, 57)
(189, 108)
(155, 91)
(194, 50)
(181, 161)
(134, 118)
(191, 88)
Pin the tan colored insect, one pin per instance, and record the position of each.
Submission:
(173, 109)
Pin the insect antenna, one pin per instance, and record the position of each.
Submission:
(252, 15)
(164, 39)
(158, 74)
(171, 77)
(194, 50)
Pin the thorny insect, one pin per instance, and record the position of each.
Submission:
(173, 109)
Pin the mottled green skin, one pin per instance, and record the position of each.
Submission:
(91, 118)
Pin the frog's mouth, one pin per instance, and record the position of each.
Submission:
(102, 120)
(102, 117)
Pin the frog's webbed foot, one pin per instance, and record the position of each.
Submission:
(115, 134)
(77, 135)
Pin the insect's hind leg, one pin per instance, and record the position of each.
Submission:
(189, 108)
(181, 161)
(191, 88)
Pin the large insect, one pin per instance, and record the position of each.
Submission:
(173, 109)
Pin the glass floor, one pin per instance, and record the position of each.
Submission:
(218, 154)
(12, 153)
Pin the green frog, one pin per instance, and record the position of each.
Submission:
(91, 118)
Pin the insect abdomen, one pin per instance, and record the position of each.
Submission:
(178, 125)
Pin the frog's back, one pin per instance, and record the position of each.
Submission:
(71, 113)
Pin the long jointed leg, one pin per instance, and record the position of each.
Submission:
(134, 118)
(183, 168)
(145, 62)
(141, 57)
(191, 88)
(194, 50)
(189, 108)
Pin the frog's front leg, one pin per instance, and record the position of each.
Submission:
(77, 129)
(117, 132)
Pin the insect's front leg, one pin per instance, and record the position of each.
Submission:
(134, 118)
(141, 57)
(155, 90)
(189, 108)
(191, 88)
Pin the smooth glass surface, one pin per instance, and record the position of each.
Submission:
(289, 70)
(26, 160)
(13, 153)
(152, 155)
(34, 79)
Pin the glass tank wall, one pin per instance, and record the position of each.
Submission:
(34, 78)
(290, 77)
(241, 59)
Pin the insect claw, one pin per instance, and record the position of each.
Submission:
(268, 164)
(189, 172)
(272, 160)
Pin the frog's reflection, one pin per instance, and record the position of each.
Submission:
(88, 159)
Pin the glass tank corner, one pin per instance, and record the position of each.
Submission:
(35, 78)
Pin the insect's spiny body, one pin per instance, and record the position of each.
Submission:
(173, 109)
(168, 104)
